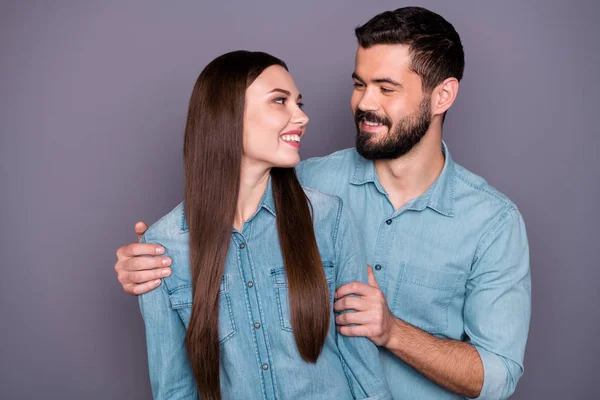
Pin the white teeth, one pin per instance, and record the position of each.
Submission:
(372, 123)
(289, 138)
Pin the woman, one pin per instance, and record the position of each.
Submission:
(247, 312)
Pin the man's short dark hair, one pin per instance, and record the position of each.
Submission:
(435, 46)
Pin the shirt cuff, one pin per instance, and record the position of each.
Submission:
(494, 376)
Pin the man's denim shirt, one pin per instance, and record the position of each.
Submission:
(453, 262)
(259, 357)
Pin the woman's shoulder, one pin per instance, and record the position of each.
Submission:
(322, 201)
(326, 208)
(168, 226)
(171, 232)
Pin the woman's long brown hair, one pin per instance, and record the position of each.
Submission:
(212, 162)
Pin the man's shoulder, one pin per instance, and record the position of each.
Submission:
(324, 173)
(338, 158)
(475, 192)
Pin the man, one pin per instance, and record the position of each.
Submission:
(449, 294)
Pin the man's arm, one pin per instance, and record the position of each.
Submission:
(449, 363)
(496, 313)
(137, 274)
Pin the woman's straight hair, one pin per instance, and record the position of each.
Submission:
(212, 162)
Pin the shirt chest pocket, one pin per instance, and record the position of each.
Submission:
(280, 285)
(181, 301)
(423, 296)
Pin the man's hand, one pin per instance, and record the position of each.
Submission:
(372, 318)
(139, 275)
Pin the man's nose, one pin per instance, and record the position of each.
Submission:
(368, 102)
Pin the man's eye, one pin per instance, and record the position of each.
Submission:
(280, 100)
(386, 90)
(358, 85)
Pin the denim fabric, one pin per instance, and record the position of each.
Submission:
(453, 262)
(259, 358)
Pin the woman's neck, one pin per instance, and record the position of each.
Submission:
(253, 183)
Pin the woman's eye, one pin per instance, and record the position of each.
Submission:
(301, 106)
(280, 100)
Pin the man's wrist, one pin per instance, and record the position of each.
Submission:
(396, 328)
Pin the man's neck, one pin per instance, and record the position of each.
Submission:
(408, 177)
(253, 183)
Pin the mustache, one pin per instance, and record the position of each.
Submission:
(370, 116)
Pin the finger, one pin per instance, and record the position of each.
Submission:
(358, 330)
(359, 288)
(128, 265)
(359, 318)
(139, 249)
(140, 229)
(137, 289)
(137, 277)
(372, 280)
(350, 303)
(142, 262)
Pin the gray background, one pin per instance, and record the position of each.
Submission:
(93, 98)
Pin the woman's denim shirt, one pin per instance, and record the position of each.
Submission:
(259, 357)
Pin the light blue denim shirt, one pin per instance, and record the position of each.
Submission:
(259, 357)
(453, 262)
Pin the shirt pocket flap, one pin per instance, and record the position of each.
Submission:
(181, 296)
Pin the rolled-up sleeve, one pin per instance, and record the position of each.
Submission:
(171, 375)
(360, 356)
(497, 308)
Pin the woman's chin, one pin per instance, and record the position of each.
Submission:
(286, 162)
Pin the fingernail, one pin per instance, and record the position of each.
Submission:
(160, 250)
(157, 282)
(166, 271)
(166, 261)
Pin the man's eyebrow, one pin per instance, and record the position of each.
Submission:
(387, 80)
(355, 76)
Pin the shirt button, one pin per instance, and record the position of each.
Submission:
(265, 367)
(257, 325)
(242, 245)
(389, 222)
(250, 284)
(378, 267)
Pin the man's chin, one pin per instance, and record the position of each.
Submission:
(375, 135)
(368, 152)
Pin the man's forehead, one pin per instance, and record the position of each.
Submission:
(390, 60)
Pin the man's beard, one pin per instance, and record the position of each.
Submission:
(400, 139)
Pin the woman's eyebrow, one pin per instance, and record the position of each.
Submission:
(287, 92)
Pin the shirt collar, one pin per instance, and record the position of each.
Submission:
(441, 193)
(267, 202)
(439, 197)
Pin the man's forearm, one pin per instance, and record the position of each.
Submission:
(449, 363)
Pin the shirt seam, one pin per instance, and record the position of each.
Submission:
(337, 223)
(509, 212)
(505, 202)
